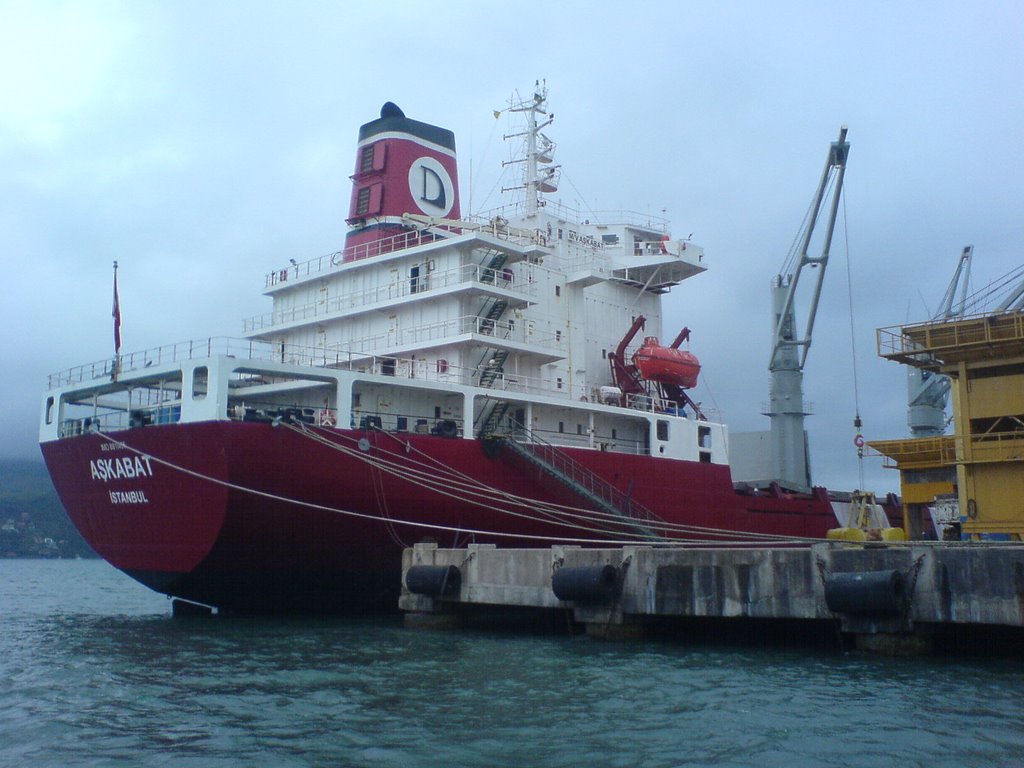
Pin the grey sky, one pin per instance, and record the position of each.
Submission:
(204, 144)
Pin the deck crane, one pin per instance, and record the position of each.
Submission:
(928, 391)
(789, 352)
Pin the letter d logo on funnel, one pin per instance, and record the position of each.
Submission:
(431, 187)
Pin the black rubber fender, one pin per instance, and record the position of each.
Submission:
(586, 584)
(878, 593)
(434, 580)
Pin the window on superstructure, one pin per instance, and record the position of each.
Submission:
(704, 437)
(558, 335)
(366, 159)
(662, 429)
(579, 429)
(200, 377)
(558, 382)
(49, 410)
(558, 290)
(363, 202)
(561, 426)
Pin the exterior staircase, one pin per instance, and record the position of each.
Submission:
(493, 363)
(491, 417)
(490, 272)
(589, 486)
(493, 368)
(493, 314)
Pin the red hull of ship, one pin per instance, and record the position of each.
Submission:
(245, 516)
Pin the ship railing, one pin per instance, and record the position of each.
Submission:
(112, 367)
(655, 404)
(437, 371)
(601, 442)
(196, 349)
(505, 330)
(427, 281)
(443, 372)
(580, 256)
(808, 408)
(115, 410)
(918, 343)
(581, 218)
(495, 227)
(294, 354)
(408, 239)
(977, 448)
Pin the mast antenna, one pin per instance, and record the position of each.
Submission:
(539, 175)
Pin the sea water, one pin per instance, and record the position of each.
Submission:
(94, 671)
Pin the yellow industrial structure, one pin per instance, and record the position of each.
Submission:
(981, 465)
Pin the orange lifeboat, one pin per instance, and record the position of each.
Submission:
(666, 365)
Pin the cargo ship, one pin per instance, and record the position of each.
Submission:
(441, 377)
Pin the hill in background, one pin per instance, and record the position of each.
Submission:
(33, 522)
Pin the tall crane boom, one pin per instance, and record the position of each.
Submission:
(789, 352)
(835, 165)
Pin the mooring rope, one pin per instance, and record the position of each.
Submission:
(557, 513)
(633, 540)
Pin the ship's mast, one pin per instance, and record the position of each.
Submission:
(789, 352)
(539, 149)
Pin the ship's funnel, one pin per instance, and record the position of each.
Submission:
(402, 166)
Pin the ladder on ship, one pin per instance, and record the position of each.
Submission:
(494, 308)
(586, 484)
(492, 364)
(489, 273)
(490, 314)
(490, 417)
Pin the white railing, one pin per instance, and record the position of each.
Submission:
(522, 332)
(583, 218)
(494, 226)
(367, 298)
(171, 353)
(297, 270)
(316, 357)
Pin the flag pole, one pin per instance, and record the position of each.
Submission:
(116, 314)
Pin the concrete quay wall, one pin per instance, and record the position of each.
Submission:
(890, 598)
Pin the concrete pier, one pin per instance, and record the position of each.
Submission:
(886, 598)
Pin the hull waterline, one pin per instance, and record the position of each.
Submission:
(253, 517)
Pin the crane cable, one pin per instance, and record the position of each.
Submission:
(858, 439)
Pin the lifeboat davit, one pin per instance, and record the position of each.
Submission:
(666, 365)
